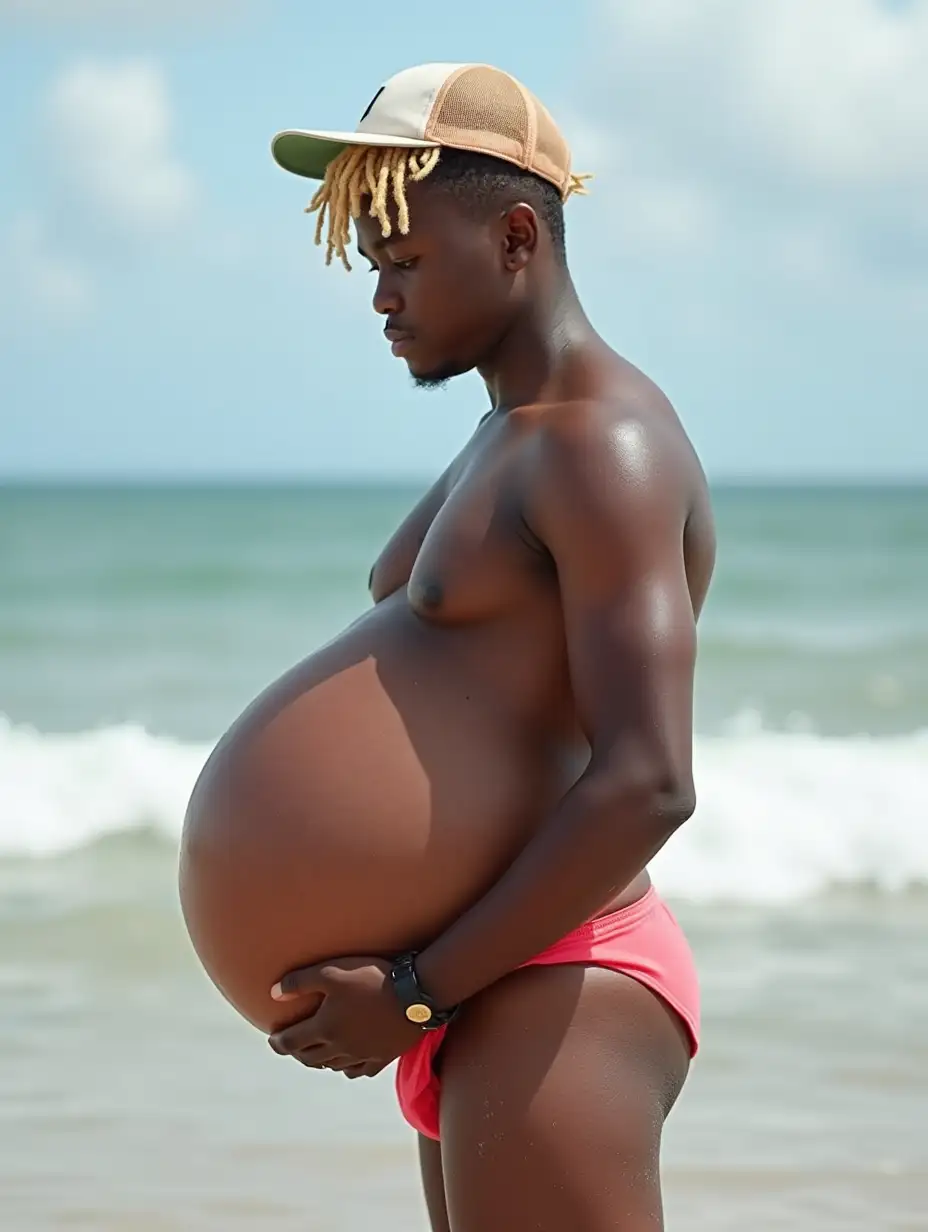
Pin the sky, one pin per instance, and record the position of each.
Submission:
(755, 239)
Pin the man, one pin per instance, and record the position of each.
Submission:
(548, 1032)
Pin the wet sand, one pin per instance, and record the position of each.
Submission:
(132, 1099)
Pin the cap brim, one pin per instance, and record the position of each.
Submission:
(309, 153)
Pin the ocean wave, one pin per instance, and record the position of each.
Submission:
(781, 815)
(787, 636)
(62, 792)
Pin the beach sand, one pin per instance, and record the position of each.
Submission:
(133, 1099)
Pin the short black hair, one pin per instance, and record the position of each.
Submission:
(484, 182)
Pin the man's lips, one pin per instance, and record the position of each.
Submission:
(399, 340)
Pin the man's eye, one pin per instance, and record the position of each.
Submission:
(402, 266)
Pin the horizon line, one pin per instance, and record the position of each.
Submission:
(348, 480)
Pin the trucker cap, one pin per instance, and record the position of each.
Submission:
(460, 106)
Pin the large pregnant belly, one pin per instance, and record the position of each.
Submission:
(350, 812)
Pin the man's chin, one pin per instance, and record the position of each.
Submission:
(429, 380)
(437, 378)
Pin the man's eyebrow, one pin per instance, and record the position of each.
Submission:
(384, 242)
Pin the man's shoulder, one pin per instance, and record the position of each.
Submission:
(627, 430)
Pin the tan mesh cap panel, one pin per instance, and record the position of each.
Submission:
(552, 153)
(483, 109)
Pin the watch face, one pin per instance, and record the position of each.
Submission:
(418, 1013)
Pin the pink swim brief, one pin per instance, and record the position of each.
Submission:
(643, 941)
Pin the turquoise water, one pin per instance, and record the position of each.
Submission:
(135, 623)
(173, 606)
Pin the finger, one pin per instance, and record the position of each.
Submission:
(364, 1069)
(300, 982)
(301, 1035)
(338, 1065)
(322, 1057)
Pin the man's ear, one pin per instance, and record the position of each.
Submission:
(520, 236)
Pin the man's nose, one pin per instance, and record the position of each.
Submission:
(387, 301)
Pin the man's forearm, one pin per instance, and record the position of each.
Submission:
(591, 848)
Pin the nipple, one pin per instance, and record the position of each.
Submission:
(431, 596)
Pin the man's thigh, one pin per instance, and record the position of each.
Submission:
(555, 1086)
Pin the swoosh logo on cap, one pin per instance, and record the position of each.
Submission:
(367, 110)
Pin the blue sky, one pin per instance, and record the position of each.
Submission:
(756, 238)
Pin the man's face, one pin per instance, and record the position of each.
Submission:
(443, 289)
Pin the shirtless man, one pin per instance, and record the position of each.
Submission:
(564, 556)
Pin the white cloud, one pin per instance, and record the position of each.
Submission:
(649, 209)
(109, 134)
(37, 275)
(803, 124)
(125, 12)
(108, 181)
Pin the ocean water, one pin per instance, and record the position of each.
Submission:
(135, 623)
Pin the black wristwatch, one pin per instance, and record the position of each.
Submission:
(417, 1005)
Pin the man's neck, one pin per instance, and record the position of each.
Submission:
(526, 361)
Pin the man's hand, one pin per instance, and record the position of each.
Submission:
(359, 1028)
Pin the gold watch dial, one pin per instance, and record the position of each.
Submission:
(418, 1013)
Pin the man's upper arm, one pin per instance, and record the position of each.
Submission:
(609, 502)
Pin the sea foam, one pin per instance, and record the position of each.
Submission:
(781, 815)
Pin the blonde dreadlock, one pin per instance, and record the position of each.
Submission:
(370, 171)
(361, 171)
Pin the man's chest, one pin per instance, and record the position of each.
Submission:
(477, 558)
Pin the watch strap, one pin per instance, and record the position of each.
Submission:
(417, 1005)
